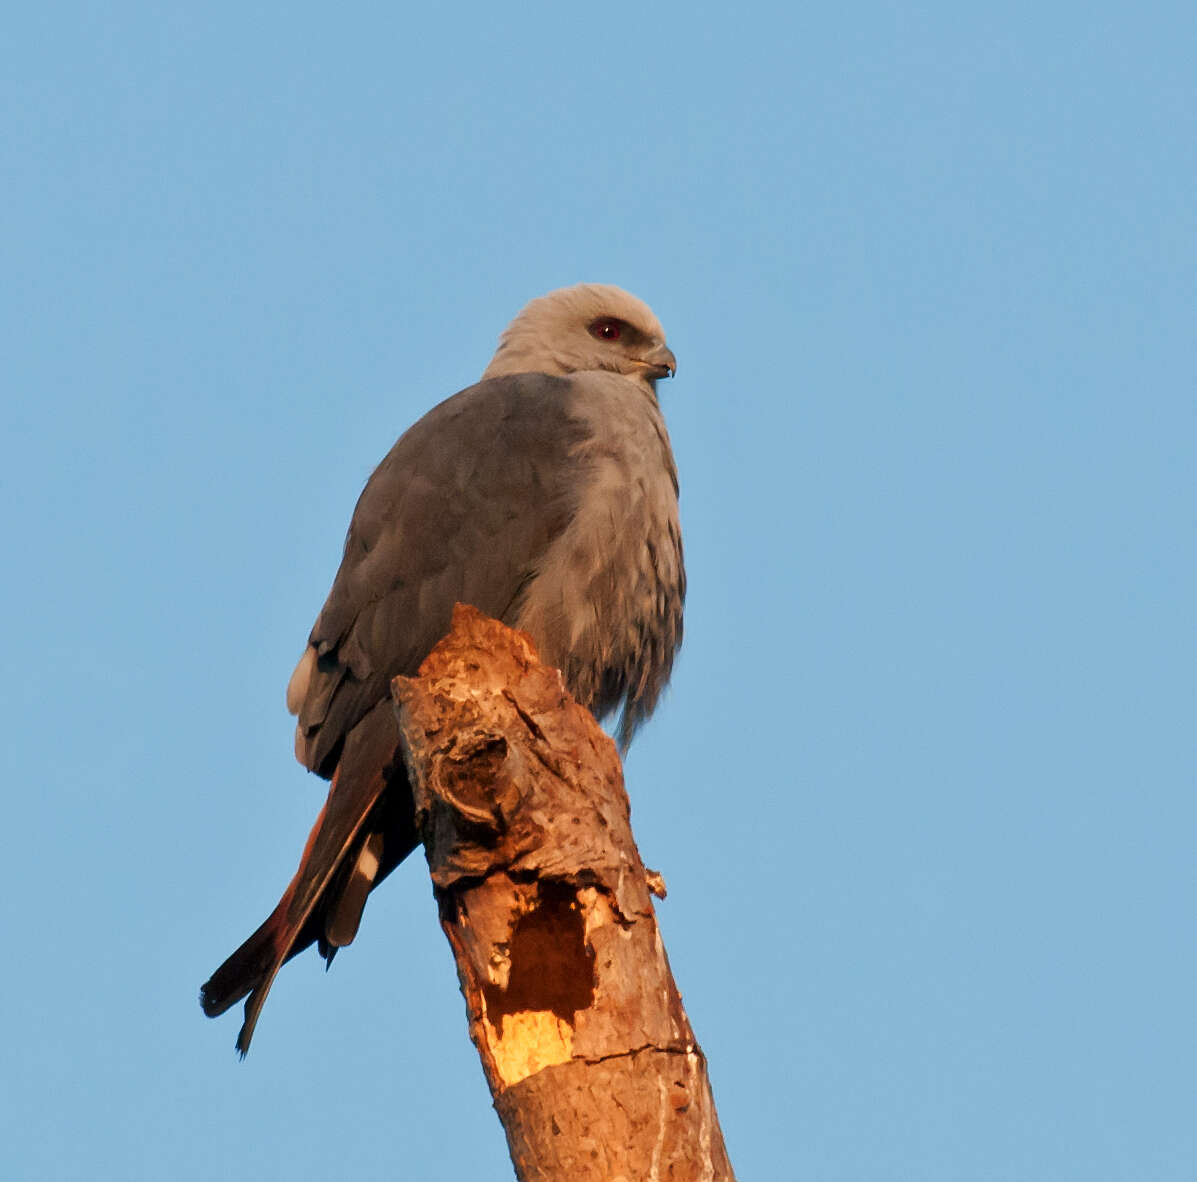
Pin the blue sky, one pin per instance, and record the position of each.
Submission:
(922, 788)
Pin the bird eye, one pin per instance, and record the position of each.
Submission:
(606, 330)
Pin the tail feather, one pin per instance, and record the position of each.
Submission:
(324, 900)
(246, 967)
(342, 923)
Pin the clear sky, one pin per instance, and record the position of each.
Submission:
(923, 786)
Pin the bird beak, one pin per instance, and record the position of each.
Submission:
(660, 362)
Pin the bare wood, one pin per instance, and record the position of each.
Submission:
(595, 1072)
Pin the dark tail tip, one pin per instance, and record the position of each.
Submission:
(209, 1002)
(253, 1010)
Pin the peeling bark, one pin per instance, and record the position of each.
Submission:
(594, 1070)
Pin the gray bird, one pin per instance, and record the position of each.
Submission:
(546, 496)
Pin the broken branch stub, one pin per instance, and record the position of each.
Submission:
(519, 797)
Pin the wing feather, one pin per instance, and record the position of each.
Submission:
(460, 510)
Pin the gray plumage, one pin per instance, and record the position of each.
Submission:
(546, 496)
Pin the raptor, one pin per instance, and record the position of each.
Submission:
(546, 495)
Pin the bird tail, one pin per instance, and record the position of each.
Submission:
(364, 831)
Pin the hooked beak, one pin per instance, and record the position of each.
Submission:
(659, 362)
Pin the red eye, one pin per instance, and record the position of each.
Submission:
(606, 330)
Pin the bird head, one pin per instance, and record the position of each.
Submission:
(592, 326)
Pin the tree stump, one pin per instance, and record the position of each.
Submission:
(595, 1072)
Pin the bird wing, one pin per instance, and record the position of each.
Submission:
(460, 510)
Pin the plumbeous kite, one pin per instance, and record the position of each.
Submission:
(545, 496)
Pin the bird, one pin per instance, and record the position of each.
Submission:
(546, 496)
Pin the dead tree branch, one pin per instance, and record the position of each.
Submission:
(595, 1072)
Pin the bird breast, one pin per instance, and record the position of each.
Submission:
(606, 602)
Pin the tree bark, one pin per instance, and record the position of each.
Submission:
(594, 1070)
